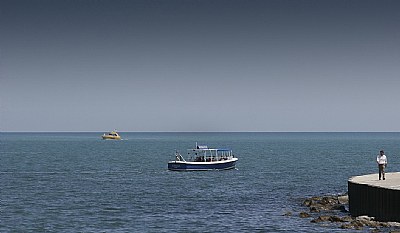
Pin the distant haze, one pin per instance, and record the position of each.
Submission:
(199, 65)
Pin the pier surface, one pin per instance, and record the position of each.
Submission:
(376, 198)
(392, 180)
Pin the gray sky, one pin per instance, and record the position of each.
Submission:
(201, 65)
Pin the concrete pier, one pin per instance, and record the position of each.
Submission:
(376, 198)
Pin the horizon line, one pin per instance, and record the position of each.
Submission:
(202, 131)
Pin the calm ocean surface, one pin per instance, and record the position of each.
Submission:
(76, 182)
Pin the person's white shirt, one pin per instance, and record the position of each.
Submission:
(381, 159)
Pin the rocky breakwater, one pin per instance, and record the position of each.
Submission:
(334, 209)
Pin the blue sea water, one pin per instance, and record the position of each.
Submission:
(76, 182)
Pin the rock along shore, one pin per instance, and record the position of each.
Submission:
(334, 209)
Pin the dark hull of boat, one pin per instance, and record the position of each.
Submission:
(188, 166)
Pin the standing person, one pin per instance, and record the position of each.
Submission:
(382, 163)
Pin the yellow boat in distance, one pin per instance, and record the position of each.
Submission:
(113, 135)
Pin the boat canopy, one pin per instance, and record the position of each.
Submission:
(225, 149)
(210, 149)
(213, 152)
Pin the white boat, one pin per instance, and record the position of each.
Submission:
(203, 158)
(113, 135)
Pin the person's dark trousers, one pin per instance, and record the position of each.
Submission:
(381, 171)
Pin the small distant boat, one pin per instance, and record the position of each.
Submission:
(113, 135)
(203, 158)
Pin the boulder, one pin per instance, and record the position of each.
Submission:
(344, 200)
(304, 215)
(288, 213)
(323, 218)
(352, 225)
(307, 202)
(334, 218)
(375, 230)
(328, 218)
(347, 219)
(318, 204)
(364, 218)
(394, 224)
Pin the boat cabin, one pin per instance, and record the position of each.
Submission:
(205, 154)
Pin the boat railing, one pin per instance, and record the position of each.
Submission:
(179, 157)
